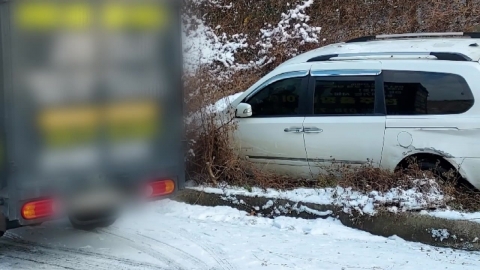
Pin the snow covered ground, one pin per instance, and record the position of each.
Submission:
(172, 235)
(398, 200)
(351, 201)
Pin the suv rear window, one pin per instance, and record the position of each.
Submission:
(420, 93)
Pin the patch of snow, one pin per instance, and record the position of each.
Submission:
(440, 234)
(203, 46)
(232, 199)
(268, 204)
(392, 209)
(309, 210)
(453, 215)
(223, 103)
(293, 25)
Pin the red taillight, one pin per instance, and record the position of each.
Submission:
(160, 188)
(38, 209)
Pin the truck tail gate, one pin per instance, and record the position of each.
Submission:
(90, 91)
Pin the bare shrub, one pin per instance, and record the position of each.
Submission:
(212, 158)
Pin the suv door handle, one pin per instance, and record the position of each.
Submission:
(294, 130)
(312, 130)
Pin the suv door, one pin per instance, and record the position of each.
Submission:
(272, 137)
(347, 118)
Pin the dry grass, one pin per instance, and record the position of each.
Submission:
(366, 178)
(213, 160)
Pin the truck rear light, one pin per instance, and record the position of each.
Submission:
(160, 188)
(38, 209)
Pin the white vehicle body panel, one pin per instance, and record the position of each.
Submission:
(385, 140)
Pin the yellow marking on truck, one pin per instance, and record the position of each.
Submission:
(69, 126)
(78, 16)
(69, 117)
(132, 120)
(131, 111)
(141, 16)
(37, 16)
(73, 125)
(41, 16)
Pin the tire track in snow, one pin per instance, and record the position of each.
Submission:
(181, 253)
(52, 258)
(24, 250)
(149, 250)
(35, 264)
(213, 251)
(217, 255)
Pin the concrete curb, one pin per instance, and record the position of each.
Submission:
(408, 226)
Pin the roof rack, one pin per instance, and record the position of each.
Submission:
(447, 56)
(416, 35)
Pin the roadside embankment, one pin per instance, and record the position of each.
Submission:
(410, 226)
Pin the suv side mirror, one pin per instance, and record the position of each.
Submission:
(243, 110)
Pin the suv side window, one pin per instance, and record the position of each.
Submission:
(281, 98)
(421, 93)
(344, 96)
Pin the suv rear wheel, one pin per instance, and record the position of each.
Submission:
(440, 168)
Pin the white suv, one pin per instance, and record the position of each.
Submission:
(379, 99)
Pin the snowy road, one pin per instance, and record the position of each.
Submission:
(171, 235)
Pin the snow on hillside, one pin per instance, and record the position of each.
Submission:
(204, 46)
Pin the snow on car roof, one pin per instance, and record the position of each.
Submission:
(467, 46)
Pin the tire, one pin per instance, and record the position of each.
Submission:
(435, 166)
(92, 226)
(92, 221)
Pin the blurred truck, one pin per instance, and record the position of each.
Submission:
(91, 108)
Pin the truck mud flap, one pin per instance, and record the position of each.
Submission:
(3, 224)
